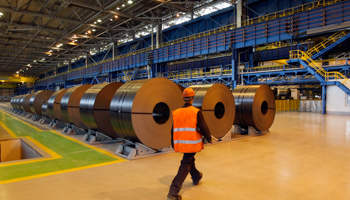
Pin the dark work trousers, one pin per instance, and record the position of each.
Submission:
(187, 166)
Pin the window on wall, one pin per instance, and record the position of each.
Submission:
(347, 101)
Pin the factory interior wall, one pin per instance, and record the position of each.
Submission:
(336, 101)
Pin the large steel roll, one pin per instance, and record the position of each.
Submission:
(70, 105)
(255, 106)
(21, 101)
(54, 105)
(12, 102)
(17, 102)
(275, 93)
(217, 105)
(37, 100)
(285, 94)
(25, 103)
(141, 111)
(44, 109)
(94, 107)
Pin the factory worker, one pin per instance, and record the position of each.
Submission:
(188, 128)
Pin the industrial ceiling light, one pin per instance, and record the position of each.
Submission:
(118, 8)
(129, 2)
(89, 31)
(123, 5)
(177, 15)
(17, 72)
(1, 14)
(99, 20)
(95, 22)
(111, 19)
(116, 16)
(93, 30)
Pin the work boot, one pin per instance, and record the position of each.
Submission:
(171, 197)
(196, 182)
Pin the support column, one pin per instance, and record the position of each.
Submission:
(159, 35)
(239, 13)
(87, 59)
(324, 94)
(152, 37)
(234, 68)
(69, 65)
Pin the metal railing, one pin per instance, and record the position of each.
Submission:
(325, 43)
(298, 54)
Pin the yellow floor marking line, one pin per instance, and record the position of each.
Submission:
(22, 121)
(12, 134)
(58, 172)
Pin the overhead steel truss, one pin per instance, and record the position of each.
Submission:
(44, 24)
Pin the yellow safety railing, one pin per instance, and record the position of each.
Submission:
(325, 43)
(195, 74)
(298, 54)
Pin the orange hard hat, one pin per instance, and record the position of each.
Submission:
(188, 92)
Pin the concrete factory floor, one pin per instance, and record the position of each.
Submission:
(305, 156)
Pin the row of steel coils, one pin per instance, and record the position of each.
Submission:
(141, 110)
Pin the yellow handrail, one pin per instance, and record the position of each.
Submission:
(298, 54)
(325, 43)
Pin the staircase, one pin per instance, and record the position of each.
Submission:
(327, 44)
(327, 78)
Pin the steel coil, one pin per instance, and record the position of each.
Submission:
(94, 107)
(255, 106)
(141, 111)
(21, 101)
(17, 102)
(275, 93)
(25, 105)
(217, 105)
(37, 100)
(285, 94)
(54, 105)
(14, 104)
(70, 105)
(44, 109)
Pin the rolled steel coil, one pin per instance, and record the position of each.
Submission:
(25, 103)
(17, 102)
(54, 105)
(95, 105)
(37, 100)
(44, 109)
(141, 111)
(217, 105)
(275, 93)
(285, 94)
(20, 102)
(255, 106)
(70, 105)
(12, 102)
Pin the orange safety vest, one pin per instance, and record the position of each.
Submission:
(185, 135)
